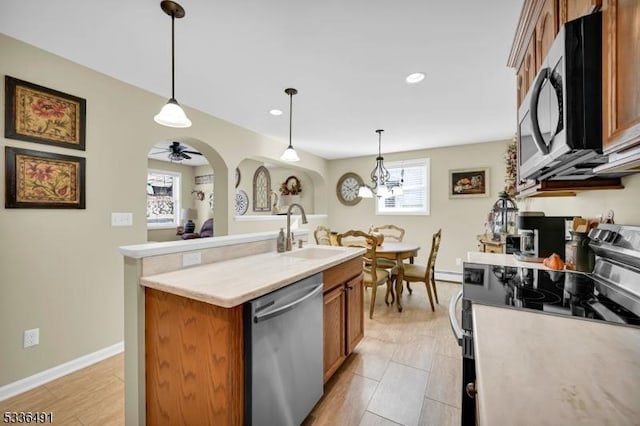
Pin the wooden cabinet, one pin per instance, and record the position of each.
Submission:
(546, 31)
(539, 24)
(343, 313)
(334, 330)
(620, 71)
(572, 9)
(355, 312)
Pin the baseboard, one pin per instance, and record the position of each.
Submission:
(39, 379)
(455, 277)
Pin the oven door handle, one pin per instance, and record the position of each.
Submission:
(544, 74)
(455, 327)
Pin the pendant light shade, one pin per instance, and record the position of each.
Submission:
(172, 114)
(290, 154)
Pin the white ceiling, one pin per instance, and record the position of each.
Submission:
(347, 58)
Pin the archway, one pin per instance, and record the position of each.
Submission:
(200, 184)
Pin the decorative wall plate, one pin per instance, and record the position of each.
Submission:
(242, 202)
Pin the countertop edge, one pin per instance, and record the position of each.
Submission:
(268, 286)
(139, 251)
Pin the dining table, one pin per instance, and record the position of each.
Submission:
(398, 251)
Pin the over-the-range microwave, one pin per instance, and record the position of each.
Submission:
(560, 118)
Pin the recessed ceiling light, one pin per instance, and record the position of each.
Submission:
(416, 77)
(275, 112)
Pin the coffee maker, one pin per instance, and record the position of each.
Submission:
(541, 236)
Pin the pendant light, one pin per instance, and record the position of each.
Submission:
(172, 115)
(379, 176)
(290, 154)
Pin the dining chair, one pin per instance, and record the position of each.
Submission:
(322, 235)
(426, 274)
(394, 233)
(373, 275)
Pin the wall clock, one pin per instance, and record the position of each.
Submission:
(347, 189)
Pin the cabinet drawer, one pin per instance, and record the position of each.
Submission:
(340, 274)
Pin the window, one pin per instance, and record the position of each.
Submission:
(163, 199)
(415, 188)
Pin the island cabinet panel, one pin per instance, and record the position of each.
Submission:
(343, 313)
(194, 361)
(620, 71)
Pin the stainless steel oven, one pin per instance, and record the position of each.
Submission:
(559, 120)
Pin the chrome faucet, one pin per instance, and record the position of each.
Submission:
(304, 220)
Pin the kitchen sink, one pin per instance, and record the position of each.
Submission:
(313, 253)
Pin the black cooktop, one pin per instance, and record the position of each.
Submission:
(556, 292)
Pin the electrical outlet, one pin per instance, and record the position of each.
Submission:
(458, 261)
(191, 259)
(31, 337)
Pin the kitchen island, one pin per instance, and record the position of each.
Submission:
(545, 369)
(189, 363)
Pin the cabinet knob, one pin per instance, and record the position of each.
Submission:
(350, 287)
(471, 390)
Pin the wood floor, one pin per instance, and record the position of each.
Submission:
(406, 371)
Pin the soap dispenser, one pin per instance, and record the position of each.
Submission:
(281, 238)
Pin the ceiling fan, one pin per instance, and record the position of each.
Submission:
(177, 152)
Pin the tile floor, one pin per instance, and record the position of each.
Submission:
(406, 371)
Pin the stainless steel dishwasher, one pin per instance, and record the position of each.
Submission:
(283, 344)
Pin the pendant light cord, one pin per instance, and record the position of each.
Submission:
(290, 116)
(173, 58)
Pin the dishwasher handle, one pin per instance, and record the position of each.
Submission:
(289, 306)
(455, 327)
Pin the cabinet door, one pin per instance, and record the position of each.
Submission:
(572, 9)
(529, 63)
(334, 330)
(520, 84)
(620, 71)
(355, 312)
(546, 30)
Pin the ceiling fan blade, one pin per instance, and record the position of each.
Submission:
(188, 157)
(158, 152)
(192, 152)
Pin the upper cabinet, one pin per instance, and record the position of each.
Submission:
(572, 9)
(620, 69)
(546, 30)
(538, 26)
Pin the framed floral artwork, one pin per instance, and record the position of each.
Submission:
(43, 180)
(469, 183)
(37, 114)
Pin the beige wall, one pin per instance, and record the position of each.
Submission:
(460, 219)
(60, 269)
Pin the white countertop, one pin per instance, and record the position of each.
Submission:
(233, 282)
(501, 260)
(538, 369)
